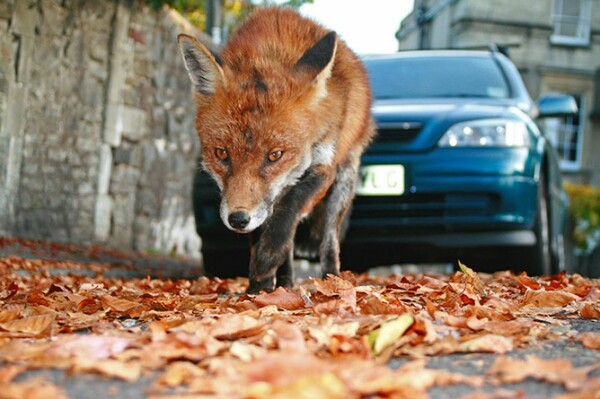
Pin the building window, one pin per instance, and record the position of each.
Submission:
(566, 135)
(571, 20)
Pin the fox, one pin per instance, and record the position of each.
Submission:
(283, 117)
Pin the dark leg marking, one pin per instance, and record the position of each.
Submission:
(274, 247)
(285, 272)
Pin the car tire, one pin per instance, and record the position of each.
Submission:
(226, 263)
(538, 258)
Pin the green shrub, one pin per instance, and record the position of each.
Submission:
(585, 208)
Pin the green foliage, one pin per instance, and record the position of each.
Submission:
(585, 208)
(182, 6)
(234, 10)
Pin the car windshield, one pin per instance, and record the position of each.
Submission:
(437, 77)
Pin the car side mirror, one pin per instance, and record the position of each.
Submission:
(556, 105)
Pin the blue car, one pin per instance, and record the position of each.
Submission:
(460, 169)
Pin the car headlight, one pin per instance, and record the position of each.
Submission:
(486, 133)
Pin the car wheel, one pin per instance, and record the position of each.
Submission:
(538, 257)
(226, 263)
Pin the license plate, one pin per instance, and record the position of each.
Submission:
(381, 180)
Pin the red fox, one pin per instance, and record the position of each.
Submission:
(283, 118)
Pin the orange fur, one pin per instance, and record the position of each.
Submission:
(257, 100)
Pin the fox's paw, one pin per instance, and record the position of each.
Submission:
(257, 286)
(285, 281)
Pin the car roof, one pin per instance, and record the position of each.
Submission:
(431, 53)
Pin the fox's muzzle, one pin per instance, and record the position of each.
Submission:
(239, 220)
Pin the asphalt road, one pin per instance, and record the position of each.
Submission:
(84, 386)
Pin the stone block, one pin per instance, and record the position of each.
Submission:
(102, 217)
(25, 18)
(112, 124)
(133, 124)
(104, 169)
(6, 9)
(124, 179)
(53, 18)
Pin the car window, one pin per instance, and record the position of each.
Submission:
(437, 77)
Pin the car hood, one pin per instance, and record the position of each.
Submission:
(440, 108)
(426, 120)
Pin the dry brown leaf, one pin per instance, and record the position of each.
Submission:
(89, 347)
(590, 340)
(281, 298)
(121, 305)
(179, 373)
(332, 285)
(246, 352)
(236, 326)
(308, 386)
(34, 325)
(548, 299)
(556, 371)
(487, 343)
(589, 311)
(8, 373)
(289, 336)
(9, 315)
(127, 371)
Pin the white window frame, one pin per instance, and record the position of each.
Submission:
(583, 20)
(560, 130)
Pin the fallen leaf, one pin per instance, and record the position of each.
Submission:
(548, 299)
(487, 343)
(324, 332)
(34, 325)
(289, 336)
(8, 373)
(235, 326)
(89, 347)
(589, 311)
(127, 371)
(120, 305)
(390, 332)
(555, 371)
(179, 373)
(309, 386)
(590, 340)
(281, 298)
(472, 278)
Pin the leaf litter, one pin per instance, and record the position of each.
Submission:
(326, 338)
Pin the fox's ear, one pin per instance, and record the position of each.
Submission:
(318, 61)
(202, 65)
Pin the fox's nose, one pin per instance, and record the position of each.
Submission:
(239, 219)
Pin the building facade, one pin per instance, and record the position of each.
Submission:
(554, 43)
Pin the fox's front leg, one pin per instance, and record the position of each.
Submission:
(274, 246)
(337, 206)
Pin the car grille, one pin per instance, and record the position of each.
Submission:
(421, 206)
(399, 133)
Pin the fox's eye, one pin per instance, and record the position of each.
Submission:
(275, 155)
(222, 154)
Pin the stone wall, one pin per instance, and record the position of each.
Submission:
(97, 143)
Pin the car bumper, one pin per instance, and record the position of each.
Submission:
(453, 199)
